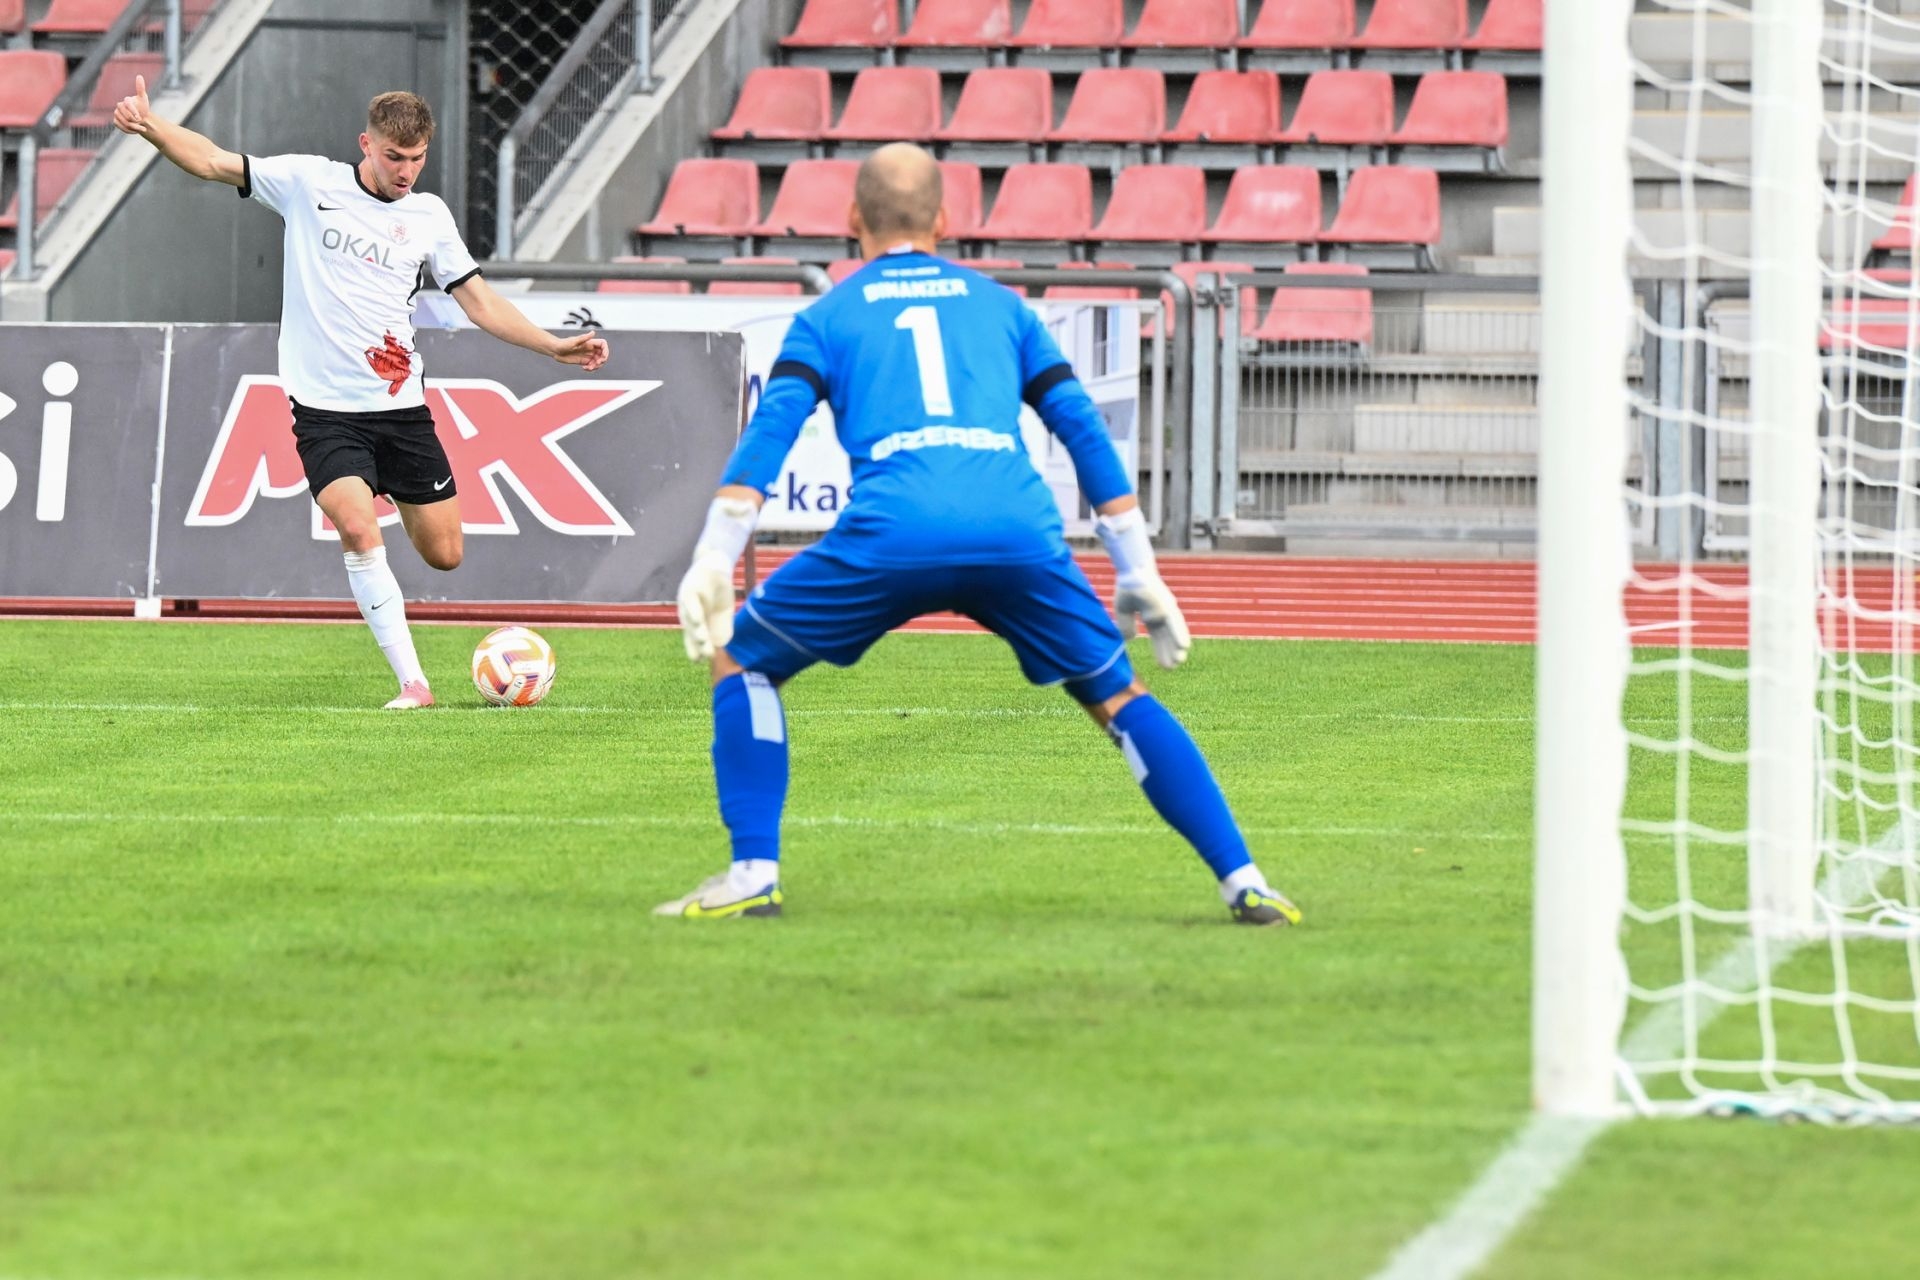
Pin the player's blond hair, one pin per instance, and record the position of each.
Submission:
(401, 117)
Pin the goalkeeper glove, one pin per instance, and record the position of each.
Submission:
(1138, 589)
(706, 592)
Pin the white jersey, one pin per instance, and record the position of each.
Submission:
(353, 261)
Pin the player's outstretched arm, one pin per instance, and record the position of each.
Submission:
(499, 317)
(191, 151)
(1138, 589)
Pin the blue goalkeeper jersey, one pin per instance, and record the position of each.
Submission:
(925, 365)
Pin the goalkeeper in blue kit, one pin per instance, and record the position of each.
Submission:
(925, 365)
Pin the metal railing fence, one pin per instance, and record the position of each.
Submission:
(144, 26)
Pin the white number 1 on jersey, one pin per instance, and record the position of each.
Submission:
(924, 324)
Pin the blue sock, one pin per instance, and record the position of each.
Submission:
(750, 762)
(1173, 773)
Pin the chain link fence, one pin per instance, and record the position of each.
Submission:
(542, 74)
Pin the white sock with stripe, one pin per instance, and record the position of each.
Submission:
(377, 592)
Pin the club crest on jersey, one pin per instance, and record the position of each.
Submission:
(398, 232)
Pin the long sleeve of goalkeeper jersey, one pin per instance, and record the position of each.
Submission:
(795, 387)
(1069, 412)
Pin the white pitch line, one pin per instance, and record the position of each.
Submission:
(1548, 1148)
(690, 821)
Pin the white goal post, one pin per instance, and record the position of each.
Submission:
(1727, 894)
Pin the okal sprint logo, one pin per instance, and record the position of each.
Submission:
(59, 380)
(493, 438)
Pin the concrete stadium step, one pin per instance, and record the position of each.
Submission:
(1480, 324)
(1724, 139)
(1455, 429)
(1674, 44)
(1330, 464)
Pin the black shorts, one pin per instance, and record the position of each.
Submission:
(395, 451)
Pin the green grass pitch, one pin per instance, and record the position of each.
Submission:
(289, 988)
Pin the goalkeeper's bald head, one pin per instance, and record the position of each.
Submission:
(897, 198)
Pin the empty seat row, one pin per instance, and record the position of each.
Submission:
(1169, 24)
(1164, 203)
(1293, 316)
(59, 168)
(1120, 105)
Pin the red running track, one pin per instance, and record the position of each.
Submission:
(1463, 601)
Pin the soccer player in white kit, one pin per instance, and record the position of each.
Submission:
(358, 239)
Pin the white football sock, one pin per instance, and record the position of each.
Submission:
(749, 874)
(377, 592)
(1247, 877)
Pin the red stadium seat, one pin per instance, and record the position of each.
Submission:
(974, 24)
(1269, 203)
(1320, 315)
(812, 201)
(1156, 202)
(79, 17)
(1511, 24)
(961, 183)
(115, 83)
(1072, 24)
(30, 79)
(1092, 292)
(781, 104)
(982, 264)
(1186, 24)
(646, 286)
(1343, 108)
(1456, 109)
(891, 104)
(1114, 104)
(1899, 236)
(1389, 204)
(1230, 106)
(831, 23)
(840, 268)
(1002, 104)
(1042, 202)
(708, 198)
(1871, 319)
(1415, 24)
(58, 170)
(13, 16)
(756, 288)
(1301, 24)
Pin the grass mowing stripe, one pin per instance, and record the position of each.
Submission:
(1548, 1148)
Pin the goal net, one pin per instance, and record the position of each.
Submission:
(1749, 932)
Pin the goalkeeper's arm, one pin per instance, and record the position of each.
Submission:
(706, 592)
(1064, 406)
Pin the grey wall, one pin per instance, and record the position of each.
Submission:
(180, 249)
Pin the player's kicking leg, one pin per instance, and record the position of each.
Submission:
(348, 503)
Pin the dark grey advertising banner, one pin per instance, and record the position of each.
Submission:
(572, 486)
(79, 427)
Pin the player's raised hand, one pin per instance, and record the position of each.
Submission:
(586, 351)
(706, 605)
(130, 114)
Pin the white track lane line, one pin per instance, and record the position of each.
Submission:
(1548, 1148)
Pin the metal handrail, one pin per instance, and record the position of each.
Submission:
(79, 88)
(506, 171)
(1179, 378)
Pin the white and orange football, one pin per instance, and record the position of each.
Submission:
(513, 667)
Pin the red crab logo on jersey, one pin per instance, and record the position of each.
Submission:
(490, 435)
(393, 362)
